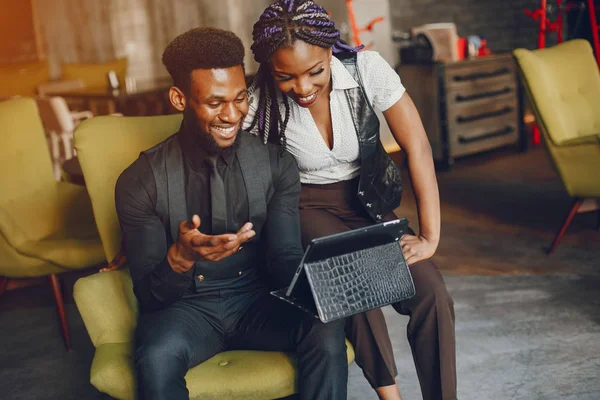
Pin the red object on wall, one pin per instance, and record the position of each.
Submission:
(557, 26)
(355, 29)
(461, 48)
(541, 14)
(483, 49)
(594, 25)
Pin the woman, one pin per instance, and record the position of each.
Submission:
(320, 110)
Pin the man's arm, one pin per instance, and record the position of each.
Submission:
(155, 283)
(282, 228)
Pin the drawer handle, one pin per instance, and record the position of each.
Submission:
(501, 132)
(477, 96)
(461, 120)
(481, 75)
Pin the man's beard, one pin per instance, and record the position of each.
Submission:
(204, 139)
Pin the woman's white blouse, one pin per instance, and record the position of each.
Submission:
(316, 162)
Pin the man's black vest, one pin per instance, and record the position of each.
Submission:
(166, 161)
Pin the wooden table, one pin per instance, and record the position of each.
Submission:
(138, 99)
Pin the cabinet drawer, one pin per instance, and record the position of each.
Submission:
(483, 137)
(482, 128)
(481, 109)
(477, 75)
(496, 90)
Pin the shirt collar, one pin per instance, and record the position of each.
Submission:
(341, 78)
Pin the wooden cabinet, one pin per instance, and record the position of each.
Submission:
(467, 106)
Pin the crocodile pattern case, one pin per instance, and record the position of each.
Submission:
(355, 282)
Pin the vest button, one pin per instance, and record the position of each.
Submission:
(369, 205)
(378, 216)
(361, 193)
(200, 277)
(240, 273)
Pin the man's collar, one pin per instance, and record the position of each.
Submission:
(228, 154)
(194, 148)
(341, 78)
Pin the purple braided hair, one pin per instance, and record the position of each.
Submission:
(281, 24)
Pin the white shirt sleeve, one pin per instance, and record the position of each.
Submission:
(381, 83)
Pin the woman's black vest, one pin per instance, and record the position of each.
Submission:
(380, 185)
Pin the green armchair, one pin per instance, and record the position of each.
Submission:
(106, 146)
(562, 84)
(46, 227)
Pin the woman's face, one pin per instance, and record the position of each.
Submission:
(303, 72)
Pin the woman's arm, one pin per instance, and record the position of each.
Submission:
(406, 126)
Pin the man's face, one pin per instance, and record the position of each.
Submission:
(218, 103)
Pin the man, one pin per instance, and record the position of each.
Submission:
(206, 215)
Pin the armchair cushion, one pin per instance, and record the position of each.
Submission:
(113, 373)
(563, 86)
(109, 311)
(566, 82)
(59, 230)
(46, 227)
(16, 265)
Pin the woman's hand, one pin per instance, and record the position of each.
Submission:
(417, 248)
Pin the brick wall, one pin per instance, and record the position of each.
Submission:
(501, 22)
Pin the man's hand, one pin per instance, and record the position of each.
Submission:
(417, 248)
(192, 245)
(119, 261)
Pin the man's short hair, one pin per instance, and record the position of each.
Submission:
(201, 48)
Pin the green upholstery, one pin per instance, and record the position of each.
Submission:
(105, 147)
(46, 227)
(563, 86)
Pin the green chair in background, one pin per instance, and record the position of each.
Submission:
(563, 86)
(46, 227)
(105, 147)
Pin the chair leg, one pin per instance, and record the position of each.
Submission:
(60, 309)
(574, 208)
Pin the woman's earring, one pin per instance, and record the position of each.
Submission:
(331, 62)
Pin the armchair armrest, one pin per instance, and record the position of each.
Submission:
(112, 370)
(107, 306)
(9, 229)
